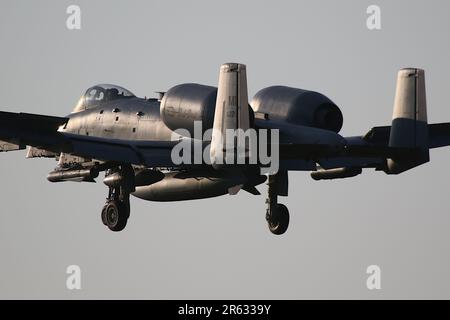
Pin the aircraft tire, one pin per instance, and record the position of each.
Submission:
(116, 216)
(278, 220)
(104, 214)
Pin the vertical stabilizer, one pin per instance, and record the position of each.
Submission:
(231, 114)
(409, 121)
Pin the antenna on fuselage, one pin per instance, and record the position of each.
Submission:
(160, 95)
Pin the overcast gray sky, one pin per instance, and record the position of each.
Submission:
(221, 248)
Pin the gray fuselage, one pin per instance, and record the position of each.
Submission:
(127, 118)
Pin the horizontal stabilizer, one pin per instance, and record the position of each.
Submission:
(438, 135)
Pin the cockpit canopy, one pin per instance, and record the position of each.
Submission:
(99, 94)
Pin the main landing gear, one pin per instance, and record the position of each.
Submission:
(116, 211)
(277, 214)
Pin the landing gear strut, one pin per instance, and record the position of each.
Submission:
(116, 211)
(277, 214)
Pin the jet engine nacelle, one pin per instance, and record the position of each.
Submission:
(186, 103)
(298, 106)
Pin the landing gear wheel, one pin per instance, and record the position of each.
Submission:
(115, 215)
(104, 214)
(116, 211)
(278, 219)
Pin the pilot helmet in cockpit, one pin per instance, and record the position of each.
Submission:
(97, 95)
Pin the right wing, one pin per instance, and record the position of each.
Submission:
(18, 130)
(148, 153)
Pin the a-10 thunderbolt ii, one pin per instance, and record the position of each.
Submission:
(133, 140)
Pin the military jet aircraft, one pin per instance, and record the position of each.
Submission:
(132, 140)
